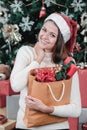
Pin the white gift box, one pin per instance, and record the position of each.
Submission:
(12, 105)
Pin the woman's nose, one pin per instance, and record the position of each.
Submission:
(46, 36)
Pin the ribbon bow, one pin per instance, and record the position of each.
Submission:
(67, 70)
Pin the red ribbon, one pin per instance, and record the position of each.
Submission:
(45, 74)
(72, 69)
(67, 60)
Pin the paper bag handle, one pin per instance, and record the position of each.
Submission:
(60, 98)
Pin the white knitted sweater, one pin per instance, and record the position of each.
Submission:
(25, 61)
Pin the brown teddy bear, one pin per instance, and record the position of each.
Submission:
(4, 71)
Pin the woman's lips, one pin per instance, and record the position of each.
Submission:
(44, 42)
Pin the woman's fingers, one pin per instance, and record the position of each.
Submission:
(31, 98)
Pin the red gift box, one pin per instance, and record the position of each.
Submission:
(45, 74)
(83, 86)
(5, 88)
(73, 123)
(2, 101)
(84, 126)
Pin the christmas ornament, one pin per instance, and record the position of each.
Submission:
(26, 24)
(78, 5)
(85, 56)
(84, 19)
(82, 65)
(77, 47)
(11, 33)
(1, 13)
(42, 11)
(84, 26)
(78, 26)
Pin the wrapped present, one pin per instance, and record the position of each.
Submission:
(5, 88)
(3, 111)
(45, 74)
(3, 119)
(73, 123)
(9, 125)
(2, 101)
(11, 110)
(84, 126)
(60, 72)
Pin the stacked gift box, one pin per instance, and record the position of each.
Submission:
(2, 101)
(8, 99)
(5, 90)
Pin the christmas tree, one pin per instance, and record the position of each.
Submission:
(21, 20)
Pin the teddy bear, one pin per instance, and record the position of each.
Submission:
(4, 72)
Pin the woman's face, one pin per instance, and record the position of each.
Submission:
(48, 36)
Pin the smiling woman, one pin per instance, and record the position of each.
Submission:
(55, 42)
(48, 36)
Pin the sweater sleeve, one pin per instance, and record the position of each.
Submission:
(74, 108)
(24, 62)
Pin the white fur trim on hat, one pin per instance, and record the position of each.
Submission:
(62, 24)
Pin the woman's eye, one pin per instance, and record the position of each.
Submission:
(52, 35)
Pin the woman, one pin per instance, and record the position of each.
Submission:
(51, 48)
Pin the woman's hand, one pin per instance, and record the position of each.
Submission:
(38, 105)
(40, 52)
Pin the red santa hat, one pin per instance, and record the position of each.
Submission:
(68, 28)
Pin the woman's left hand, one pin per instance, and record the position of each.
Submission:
(36, 104)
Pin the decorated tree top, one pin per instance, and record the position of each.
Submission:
(21, 20)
